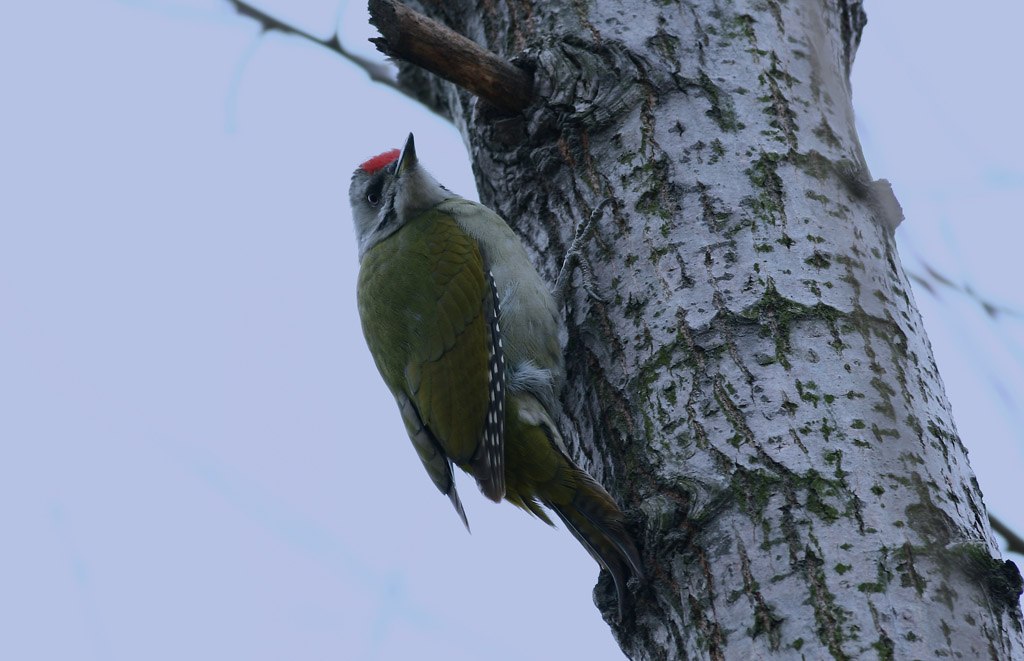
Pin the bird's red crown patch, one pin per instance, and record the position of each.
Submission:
(379, 161)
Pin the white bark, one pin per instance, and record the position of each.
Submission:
(756, 389)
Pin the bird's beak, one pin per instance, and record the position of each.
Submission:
(407, 158)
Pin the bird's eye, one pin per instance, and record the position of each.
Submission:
(373, 199)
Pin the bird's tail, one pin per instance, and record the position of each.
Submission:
(596, 521)
(540, 473)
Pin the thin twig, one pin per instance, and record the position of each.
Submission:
(380, 73)
(932, 276)
(1014, 543)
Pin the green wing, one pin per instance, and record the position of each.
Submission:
(429, 315)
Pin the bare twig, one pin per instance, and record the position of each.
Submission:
(932, 277)
(380, 73)
(1014, 543)
(412, 37)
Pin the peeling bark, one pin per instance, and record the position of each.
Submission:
(756, 388)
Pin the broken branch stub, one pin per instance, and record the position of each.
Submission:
(410, 36)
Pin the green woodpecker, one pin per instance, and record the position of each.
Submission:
(466, 336)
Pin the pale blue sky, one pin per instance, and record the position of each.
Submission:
(197, 458)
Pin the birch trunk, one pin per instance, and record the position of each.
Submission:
(756, 388)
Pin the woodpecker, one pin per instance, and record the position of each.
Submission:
(465, 334)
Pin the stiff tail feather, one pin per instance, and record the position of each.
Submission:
(596, 521)
(540, 473)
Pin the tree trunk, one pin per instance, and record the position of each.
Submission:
(756, 388)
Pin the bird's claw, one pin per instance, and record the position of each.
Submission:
(574, 255)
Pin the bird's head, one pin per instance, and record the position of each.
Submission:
(387, 191)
